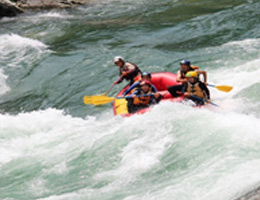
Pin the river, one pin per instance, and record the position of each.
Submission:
(53, 147)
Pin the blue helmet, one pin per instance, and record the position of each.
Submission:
(185, 62)
(146, 74)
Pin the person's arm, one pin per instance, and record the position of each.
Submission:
(121, 78)
(154, 89)
(134, 94)
(184, 90)
(204, 74)
(205, 89)
(179, 78)
(157, 97)
(131, 87)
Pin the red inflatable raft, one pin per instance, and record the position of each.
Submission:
(161, 80)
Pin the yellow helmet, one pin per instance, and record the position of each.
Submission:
(192, 74)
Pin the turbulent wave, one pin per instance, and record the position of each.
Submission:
(16, 50)
(200, 151)
(3, 86)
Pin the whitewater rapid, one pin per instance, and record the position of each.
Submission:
(53, 147)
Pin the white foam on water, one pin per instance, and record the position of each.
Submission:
(15, 49)
(202, 187)
(213, 143)
(141, 153)
(3, 85)
(16, 41)
(52, 14)
(35, 130)
(39, 16)
(248, 45)
(232, 142)
(240, 71)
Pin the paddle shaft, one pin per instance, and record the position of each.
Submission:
(129, 97)
(109, 89)
(99, 100)
(112, 86)
(201, 99)
(198, 98)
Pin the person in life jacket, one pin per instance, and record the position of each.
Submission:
(185, 67)
(145, 76)
(143, 97)
(195, 90)
(127, 70)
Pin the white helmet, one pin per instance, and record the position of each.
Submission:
(118, 58)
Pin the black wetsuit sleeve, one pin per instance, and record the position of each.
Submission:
(158, 99)
(205, 89)
(154, 89)
(155, 100)
(184, 88)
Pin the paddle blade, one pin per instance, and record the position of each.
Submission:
(87, 99)
(224, 88)
(97, 100)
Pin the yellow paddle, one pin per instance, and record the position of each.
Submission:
(103, 99)
(99, 100)
(223, 88)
